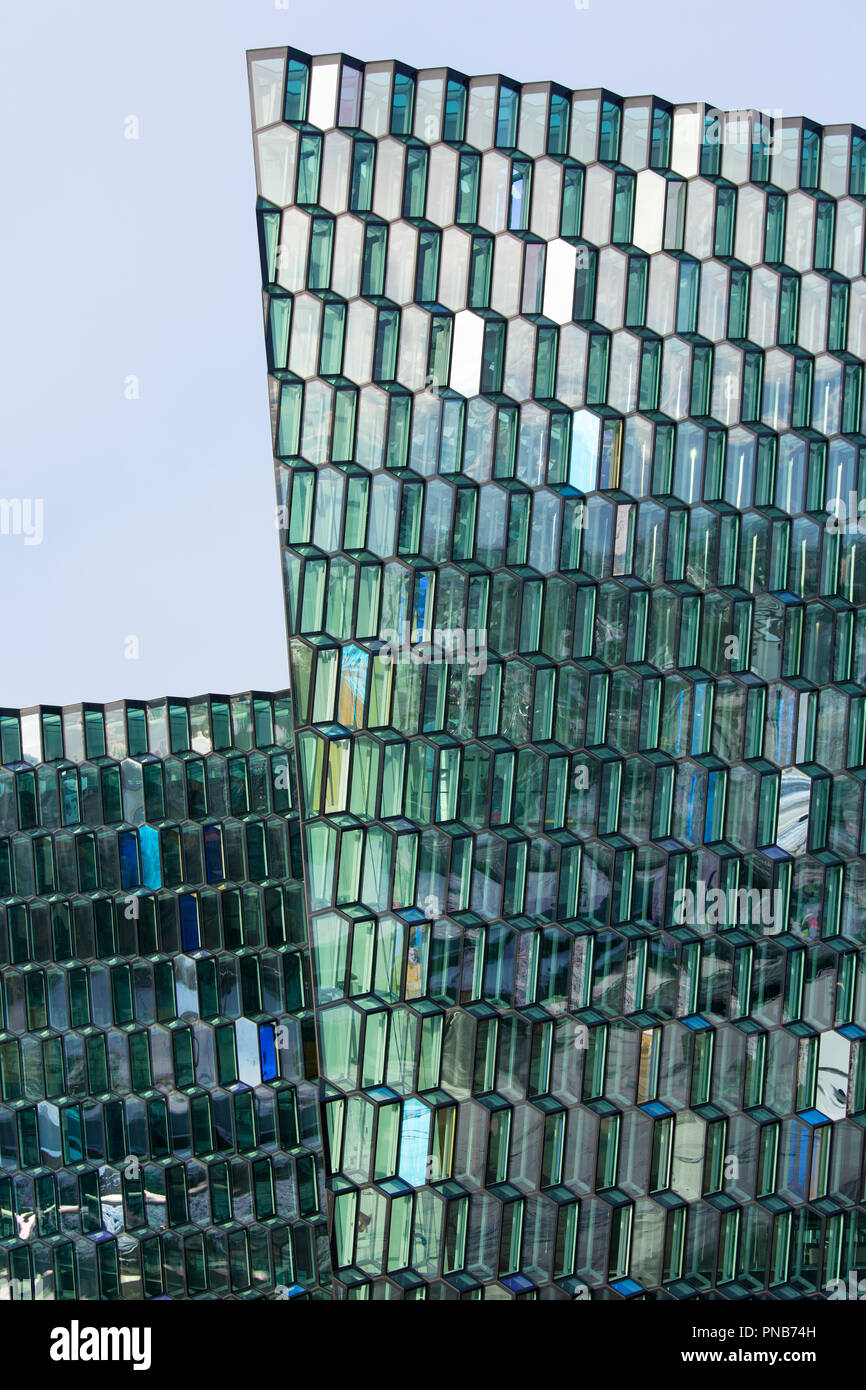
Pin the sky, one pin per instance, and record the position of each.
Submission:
(134, 423)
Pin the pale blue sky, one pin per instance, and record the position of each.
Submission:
(138, 257)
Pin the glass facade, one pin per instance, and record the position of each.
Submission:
(518, 952)
(567, 409)
(159, 1119)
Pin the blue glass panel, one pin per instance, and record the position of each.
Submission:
(127, 849)
(414, 1142)
(189, 933)
(268, 1053)
(151, 867)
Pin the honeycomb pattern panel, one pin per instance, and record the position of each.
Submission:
(567, 409)
(159, 1116)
